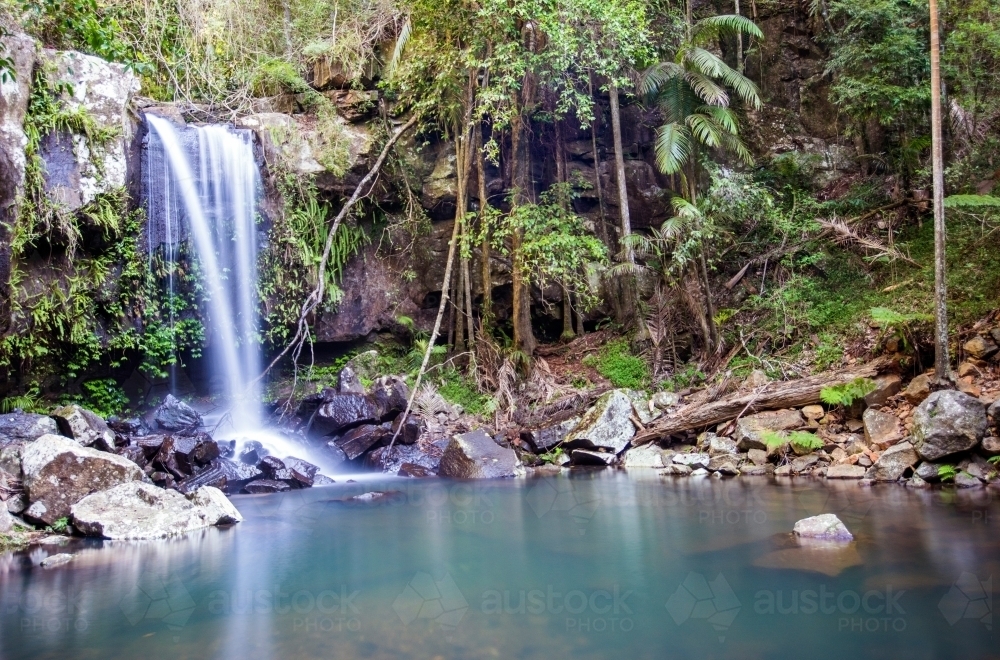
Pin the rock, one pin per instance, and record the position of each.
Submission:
(175, 415)
(390, 394)
(721, 446)
(757, 456)
(844, 471)
(424, 454)
(412, 429)
(804, 463)
(674, 470)
(6, 520)
(967, 369)
(18, 428)
(607, 425)
(991, 445)
(993, 413)
(365, 365)
(854, 425)
(783, 471)
(700, 472)
(274, 468)
(881, 429)
(918, 389)
(645, 412)
(757, 379)
(58, 473)
(664, 400)
(84, 426)
(886, 385)
(748, 429)
(591, 457)
(895, 463)
(547, 437)
(723, 465)
(765, 470)
(237, 475)
(302, 471)
(966, 480)
(56, 560)
(928, 471)
(360, 439)
(646, 456)
(140, 511)
(475, 456)
(980, 347)
(968, 387)
(215, 475)
(414, 470)
(342, 411)
(826, 526)
(260, 486)
(814, 412)
(692, 460)
(917, 482)
(348, 383)
(252, 453)
(77, 168)
(948, 422)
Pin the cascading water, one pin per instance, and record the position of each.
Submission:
(209, 188)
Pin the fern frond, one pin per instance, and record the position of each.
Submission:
(963, 201)
(727, 24)
(673, 146)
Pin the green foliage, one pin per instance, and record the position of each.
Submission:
(617, 363)
(30, 402)
(947, 473)
(975, 201)
(552, 456)
(688, 375)
(7, 72)
(104, 396)
(459, 389)
(60, 526)
(847, 393)
(801, 442)
(993, 460)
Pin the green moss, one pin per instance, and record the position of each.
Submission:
(617, 363)
(456, 388)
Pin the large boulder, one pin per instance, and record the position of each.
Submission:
(342, 411)
(547, 437)
(138, 510)
(80, 167)
(84, 426)
(6, 520)
(475, 456)
(58, 473)
(946, 423)
(607, 425)
(646, 456)
(748, 433)
(827, 527)
(895, 463)
(175, 415)
(882, 429)
(18, 428)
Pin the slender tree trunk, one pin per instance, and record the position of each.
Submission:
(524, 337)
(567, 307)
(630, 294)
(484, 265)
(701, 271)
(942, 363)
(602, 227)
(739, 43)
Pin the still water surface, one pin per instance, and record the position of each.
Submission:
(598, 565)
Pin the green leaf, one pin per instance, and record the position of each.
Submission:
(673, 146)
(963, 201)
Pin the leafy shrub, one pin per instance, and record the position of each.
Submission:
(687, 376)
(457, 389)
(847, 393)
(60, 526)
(104, 396)
(994, 460)
(30, 402)
(616, 363)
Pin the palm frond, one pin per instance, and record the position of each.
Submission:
(707, 89)
(673, 146)
(735, 145)
(652, 79)
(397, 51)
(960, 201)
(743, 86)
(623, 269)
(705, 62)
(684, 209)
(726, 24)
(724, 117)
(705, 130)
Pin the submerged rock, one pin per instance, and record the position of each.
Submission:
(18, 428)
(475, 456)
(946, 423)
(826, 526)
(140, 511)
(266, 486)
(175, 415)
(56, 560)
(607, 425)
(58, 473)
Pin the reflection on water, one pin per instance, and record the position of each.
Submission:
(599, 565)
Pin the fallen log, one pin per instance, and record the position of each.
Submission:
(773, 396)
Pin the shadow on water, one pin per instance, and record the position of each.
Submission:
(597, 565)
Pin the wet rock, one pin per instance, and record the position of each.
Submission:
(881, 429)
(918, 389)
(546, 438)
(928, 471)
(692, 460)
(980, 348)
(723, 465)
(343, 411)
(18, 428)
(56, 560)
(607, 425)
(6, 520)
(134, 454)
(966, 480)
(475, 456)
(274, 469)
(845, 471)
(804, 463)
(83, 426)
(358, 440)
(917, 482)
(886, 385)
(749, 428)
(348, 382)
(390, 394)
(646, 456)
(674, 470)
(591, 457)
(261, 486)
(140, 511)
(252, 453)
(150, 444)
(303, 472)
(948, 422)
(215, 475)
(414, 470)
(58, 473)
(895, 463)
(764, 470)
(238, 474)
(425, 454)
(175, 415)
(323, 480)
(412, 429)
(826, 526)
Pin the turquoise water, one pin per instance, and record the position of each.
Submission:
(598, 565)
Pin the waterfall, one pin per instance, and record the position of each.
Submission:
(202, 182)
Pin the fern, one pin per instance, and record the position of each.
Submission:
(888, 318)
(993, 460)
(947, 472)
(847, 393)
(31, 402)
(802, 442)
(773, 439)
(964, 201)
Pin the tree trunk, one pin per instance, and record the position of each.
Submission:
(524, 337)
(942, 364)
(630, 294)
(739, 43)
(602, 227)
(484, 265)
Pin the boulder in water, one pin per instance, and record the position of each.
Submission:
(360, 439)
(946, 423)
(592, 457)
(175, 415)
(302, 472)
(476, 456)
(84, 426)
(237, 474)
(895, 463)
(826, 526)
(343, 411)
(252, 453)
(260, 486)
(58, 473)
(140, 511)
(215, 475)
(607, 425)
(18, 428)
